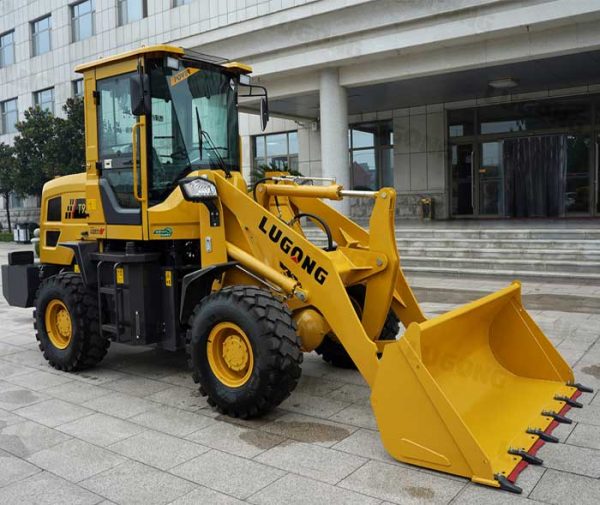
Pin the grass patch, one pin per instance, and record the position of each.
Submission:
(6, 236)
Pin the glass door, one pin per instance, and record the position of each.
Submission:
(597, 175)
(491, 180)
(463, 183)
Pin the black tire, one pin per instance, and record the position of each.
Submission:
(86, 348)
(333, 352)
(276, 353)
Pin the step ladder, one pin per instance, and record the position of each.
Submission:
(113, 293)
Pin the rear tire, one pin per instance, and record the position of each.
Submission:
(333, 352)
(244, 351)
(66, 322)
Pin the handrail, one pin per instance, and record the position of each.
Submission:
(134, 142)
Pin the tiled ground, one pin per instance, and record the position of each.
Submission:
(134, 430)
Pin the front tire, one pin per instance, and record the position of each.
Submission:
(244, 351)
(66, 322)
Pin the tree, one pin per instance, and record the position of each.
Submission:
(48, 146)
(8, 164)
(260, 171)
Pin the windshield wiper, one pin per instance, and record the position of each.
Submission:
(200, 132)
(204, 135)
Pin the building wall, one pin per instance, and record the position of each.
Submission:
(289, 42)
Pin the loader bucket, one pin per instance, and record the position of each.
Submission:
(463, 393)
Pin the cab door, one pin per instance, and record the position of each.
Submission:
(121, 153)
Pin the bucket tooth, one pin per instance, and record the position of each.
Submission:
(528, 458)
(557, 417)
(507, 485)
(570, 402)
(581, 388)
(546, 437)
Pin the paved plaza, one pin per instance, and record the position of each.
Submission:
(135, 430)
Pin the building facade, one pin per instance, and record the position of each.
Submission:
(488, 107)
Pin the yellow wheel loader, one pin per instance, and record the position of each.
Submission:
(161, 242)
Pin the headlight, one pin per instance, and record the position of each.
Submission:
(197, 189)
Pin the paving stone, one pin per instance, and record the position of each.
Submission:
(228, 474)
(183, 379)
(570, 458)
(235, 439)
(365, 443)
(203, 495)
(75, 460)
(158, 449)
(7, 418)
(99, 375)
(180, 397)
(585, 435)
(45, 488)
(8, 349)
(309, 429)
(530, 477)
(401, 485)
(316, 386)
(474, 494)
(357, 415)
(136, 386)
(13, 469)
(101, 429)
(590, 414)
(352, 393)
(297, 490)
(39, 379)
(119, 405)
(312, 461)
(173, 421)
(27, 437)
(8, 369)
(561, 487)
(134, 483)
(312, 405)
(344, 375)
(77, 391)
(13, 397)
(31, 358)
(53, 412)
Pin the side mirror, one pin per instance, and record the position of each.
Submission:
(264, 112)
(140, 98)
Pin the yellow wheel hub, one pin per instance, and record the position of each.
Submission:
(230, 354)
(58, 324)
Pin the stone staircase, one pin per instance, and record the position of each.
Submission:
(550, 253)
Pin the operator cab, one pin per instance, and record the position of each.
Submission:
(159, 113)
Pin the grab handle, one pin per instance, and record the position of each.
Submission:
(134, 133)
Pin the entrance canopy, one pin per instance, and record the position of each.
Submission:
(565, 71)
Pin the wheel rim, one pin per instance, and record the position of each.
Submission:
(58, 324)
(230, 354)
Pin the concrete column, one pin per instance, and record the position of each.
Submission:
(334, 132)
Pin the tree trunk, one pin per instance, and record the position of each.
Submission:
(7, 203)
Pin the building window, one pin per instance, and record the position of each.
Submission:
(44, 99)
(83, 20)
(10, 115)
(7, 49)
(131, 10)
(40, 36)
(77, 87)
(278, 151)
(177, 3)
(372, 155)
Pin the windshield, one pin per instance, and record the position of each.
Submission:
(194, 124)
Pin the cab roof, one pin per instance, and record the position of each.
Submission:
(164, 50)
